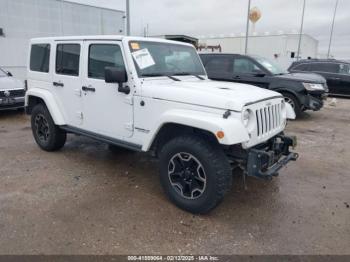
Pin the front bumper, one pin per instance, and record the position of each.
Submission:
(315, 101)
(266, 160)
(11, 103)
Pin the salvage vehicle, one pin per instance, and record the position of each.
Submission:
(301, 90)
(153, 95)
(12, 92)
(336, 72)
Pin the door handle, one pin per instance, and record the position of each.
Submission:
(88, 89)
(236, 77)
(58, 84)
(335, 78)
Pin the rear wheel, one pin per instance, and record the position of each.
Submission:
(47, 135)
(293, 101)
(194, 173)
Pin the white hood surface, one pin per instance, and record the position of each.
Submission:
(8, 83)
(208, 93)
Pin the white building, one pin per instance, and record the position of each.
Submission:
(282, 48)
(21, 20)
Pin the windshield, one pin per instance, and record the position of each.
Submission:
(164, 59)
(2, 73)
(270, 66)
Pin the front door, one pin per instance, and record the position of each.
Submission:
(67, 81)
(248, 72)
(106, 111)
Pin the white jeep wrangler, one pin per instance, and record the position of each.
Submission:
(153, 95)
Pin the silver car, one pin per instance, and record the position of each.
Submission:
(12, 91)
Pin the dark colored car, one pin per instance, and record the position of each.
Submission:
(337, 73)
(302, 91)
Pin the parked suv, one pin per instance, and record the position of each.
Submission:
(12, 91)
(337, 73)
(153, 96)
(302, 91)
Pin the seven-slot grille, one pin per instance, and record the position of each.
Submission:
(268, 119)
(12, 93)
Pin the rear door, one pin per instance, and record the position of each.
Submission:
(67, 81)
(107, 112)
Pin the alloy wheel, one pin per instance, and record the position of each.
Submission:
(42, 128)
(290, 101)
(187, 175)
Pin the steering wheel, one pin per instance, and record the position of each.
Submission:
(174, 66)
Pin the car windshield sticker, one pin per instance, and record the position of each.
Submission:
(143, 58)
(135, 46)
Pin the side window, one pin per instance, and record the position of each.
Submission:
(344, 69)
(244, 66)
(219, 64)
(301, 67)
(68, 59)
(102, 56)
(40, 58)
(324, 67)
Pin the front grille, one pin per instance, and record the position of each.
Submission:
(268, 119)
(12, 93)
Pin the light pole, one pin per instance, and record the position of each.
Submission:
(331, 37)
(301, 30)
(128, 17)
(247, 29)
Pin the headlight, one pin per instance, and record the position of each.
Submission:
(246, 117)
(313, 87)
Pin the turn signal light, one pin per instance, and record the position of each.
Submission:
(220, 134)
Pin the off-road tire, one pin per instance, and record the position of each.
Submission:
(297, 107)
(215, 165)
(56, 137)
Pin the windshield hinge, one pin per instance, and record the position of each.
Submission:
(227, 114)
(129, 100)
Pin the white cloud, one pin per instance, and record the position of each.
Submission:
(214, 17)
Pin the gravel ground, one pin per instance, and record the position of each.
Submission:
(86, 199)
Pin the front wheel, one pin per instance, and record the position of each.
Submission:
(293, 101)
(47, 135)
(194, 173)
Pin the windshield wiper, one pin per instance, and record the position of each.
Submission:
(158, 75)
(188, 74)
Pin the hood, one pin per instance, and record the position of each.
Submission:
(10, 83)
(207, 93)
(304, 77)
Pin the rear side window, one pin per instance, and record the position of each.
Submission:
(68, 59)
(40, 58)
(219, 64)
(324, 67)
(102, 56)
(344, 69)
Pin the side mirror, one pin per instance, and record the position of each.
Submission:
(9, 74)
(117, 76)
(258, 73)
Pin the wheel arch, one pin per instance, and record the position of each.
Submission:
(178, 122)
(283, 90)
(168, 131)
(39, 96)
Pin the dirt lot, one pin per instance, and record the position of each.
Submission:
(88, 200)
